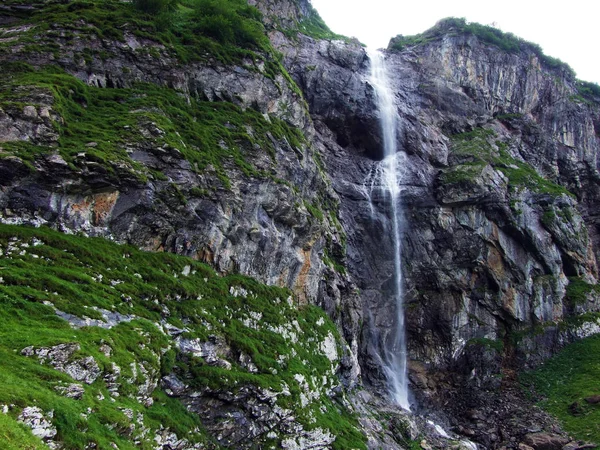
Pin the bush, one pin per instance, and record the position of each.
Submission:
(588, 89)
(233, 22)
(155, 7)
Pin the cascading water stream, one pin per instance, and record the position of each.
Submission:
(393, 359)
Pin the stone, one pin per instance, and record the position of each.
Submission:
(593, 400)
(212, 351)
(73, 390)
(424, 445)
(83, 369)
(173, 385)
(545, 441)
(40, 423)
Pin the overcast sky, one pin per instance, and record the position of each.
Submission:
(568, 30)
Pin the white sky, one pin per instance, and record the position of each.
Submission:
(568, 30)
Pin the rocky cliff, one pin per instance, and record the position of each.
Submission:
(259, 157)
(499, 162)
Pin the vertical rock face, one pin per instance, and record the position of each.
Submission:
(501, 181)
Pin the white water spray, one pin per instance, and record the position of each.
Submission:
(393, 359)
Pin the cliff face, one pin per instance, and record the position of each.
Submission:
(266, 166)
(499, 182)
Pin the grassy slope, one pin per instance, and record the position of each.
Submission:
(565, 381)
(41, 268)
(205, 133)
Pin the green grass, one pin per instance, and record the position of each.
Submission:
(16, 436)
(578, 290)
(565, 381)
(148, 116)
(310, 25)
(314, 26)
(228, 31)
(461, 173)
(42, 269)
(496, 345)
(588, 89)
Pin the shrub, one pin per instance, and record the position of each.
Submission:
(588, 89)
(155, 7)
(232, 22)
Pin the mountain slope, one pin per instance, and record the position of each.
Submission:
(246, 137)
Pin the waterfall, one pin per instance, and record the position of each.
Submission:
(393, 358)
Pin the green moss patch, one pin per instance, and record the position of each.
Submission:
(578, 291)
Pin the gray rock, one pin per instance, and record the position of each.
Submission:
(40, 423)
(74, 391)
(213, 351)
(60, 357)
(173, 386)
(84, 369)
(545, 441)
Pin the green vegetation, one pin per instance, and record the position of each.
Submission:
(314, 26)
(565, 381)
(587, 93)
(588, 90)
(314, 211)
(578, 291)
(229, 31)
(523, 175)
(496, 344)
(548, 218)
(311, 25)
(100, 124)
(42, 270)
(478, 147)
(461, 173)
(334, 262)
(155, 7)
(505, 41)
(16, 436)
